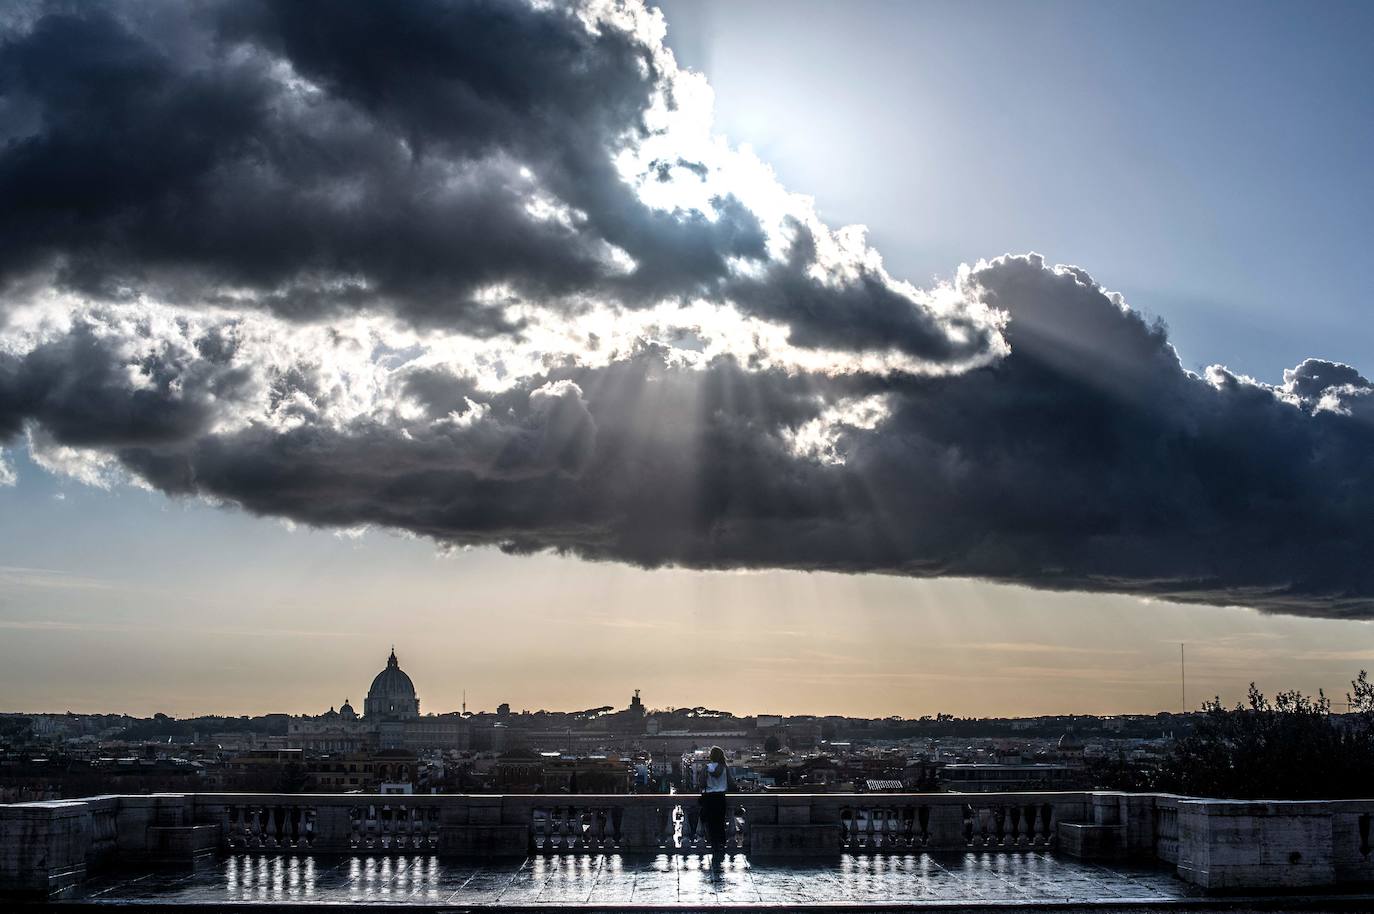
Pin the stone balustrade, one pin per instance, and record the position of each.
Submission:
(47, 847)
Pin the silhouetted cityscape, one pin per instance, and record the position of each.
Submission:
(395, 748)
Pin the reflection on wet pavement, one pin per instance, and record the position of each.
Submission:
(665, 879)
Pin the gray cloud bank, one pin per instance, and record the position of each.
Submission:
(479, 272)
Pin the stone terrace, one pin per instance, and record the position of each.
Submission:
(1074, 848)
(613, 880)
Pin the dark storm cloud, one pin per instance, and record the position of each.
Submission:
(314, 159)
(305, 162)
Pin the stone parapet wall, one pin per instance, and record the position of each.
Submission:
(1218, 845)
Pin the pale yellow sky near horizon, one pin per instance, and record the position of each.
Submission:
(277, 620)
(127, 601)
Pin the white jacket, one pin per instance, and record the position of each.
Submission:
(717, 778)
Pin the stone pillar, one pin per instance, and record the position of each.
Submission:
(1138, 817)
(1228, 845)
(1352, 840)
(946, 824)
(333, 828)
(800, 827)
(43, 847)
(478, 829)
(639, 823)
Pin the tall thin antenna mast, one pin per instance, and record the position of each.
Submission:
(465, 701)
(1182, 679)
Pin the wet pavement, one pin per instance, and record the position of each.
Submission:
(613, 880)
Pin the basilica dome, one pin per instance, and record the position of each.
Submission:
(392, 693)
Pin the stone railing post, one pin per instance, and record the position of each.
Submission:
(639, 826)
(161, 828)
(43, 847)
(1352, 840)
(481, 827)
(1243, 844)
(333, 826)
(803, 825)
(946, 822)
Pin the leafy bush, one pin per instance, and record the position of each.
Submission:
(1292, 748)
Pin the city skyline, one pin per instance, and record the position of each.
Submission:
(227, 474)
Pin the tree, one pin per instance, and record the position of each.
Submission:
(1290, 748)
(771, 744)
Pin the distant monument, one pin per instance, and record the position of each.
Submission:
(392, 696)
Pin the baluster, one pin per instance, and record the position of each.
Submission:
(548, 824)
(539, 835)
(846, 826)
(262, 820)
(664, 817)
(355, 827)
(906, 826)
(308, 826)
(999, 825)
(595, 820)
(566, 828)
(553, 839)
(1031, 812)
(984, 826)
(1047, 820)
(602, 829)
(230, 820)
(591, 827)
(1014, 836)
(373, 823)
(617, 823)
(586, 827)
(692, 821)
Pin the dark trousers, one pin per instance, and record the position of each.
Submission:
(713, 808)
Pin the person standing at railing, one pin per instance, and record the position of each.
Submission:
(717, 782)
(641, 776)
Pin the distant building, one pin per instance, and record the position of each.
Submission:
(392, 696)
(979, 777)
(391, 720)
(366, 772)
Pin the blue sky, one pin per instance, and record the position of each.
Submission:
(1207, 161)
